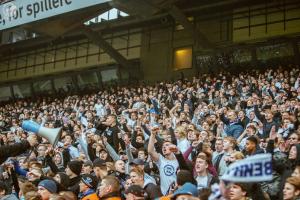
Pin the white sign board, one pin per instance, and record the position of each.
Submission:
(18, 12)
(257, 168)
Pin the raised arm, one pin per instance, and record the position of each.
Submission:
(13, 150)
(173, 110)
(114, 155)
(151, 150)
(257, 114)
(224, 119)
(241, 136)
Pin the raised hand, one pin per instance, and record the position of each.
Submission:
(32, 139)
(273, 133)
(104, 140)
(173, 148)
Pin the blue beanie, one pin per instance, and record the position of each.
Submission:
(48, 185)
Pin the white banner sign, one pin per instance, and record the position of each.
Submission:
(18, 12)
(256, 168)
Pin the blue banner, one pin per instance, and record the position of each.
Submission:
(255, 168)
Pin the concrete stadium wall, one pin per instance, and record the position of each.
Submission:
(67, 57)
(158, 48)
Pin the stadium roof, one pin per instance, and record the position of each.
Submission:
(142, 13)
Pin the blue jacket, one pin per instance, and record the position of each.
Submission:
(234, 130)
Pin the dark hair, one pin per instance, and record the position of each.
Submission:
(144, 150)
(185, 176)
(204, 193)
(245, 187)
(3, 187)
(69, 136)
(253, 139)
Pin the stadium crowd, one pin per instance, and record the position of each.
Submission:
(171, 140)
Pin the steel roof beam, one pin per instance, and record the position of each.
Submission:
(98, 40)
(178, 15)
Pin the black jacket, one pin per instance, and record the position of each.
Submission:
(13, 150)
(111, 134)
(74, 185)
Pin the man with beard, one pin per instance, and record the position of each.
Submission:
(212, 122)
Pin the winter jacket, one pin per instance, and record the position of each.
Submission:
(91, 197)
(74, 185)
(234, 130)
(13, 150)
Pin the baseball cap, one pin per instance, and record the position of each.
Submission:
(187, 188)
(89, 180)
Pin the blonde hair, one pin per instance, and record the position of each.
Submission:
(181, 131)
(232, 140)
(238, 155)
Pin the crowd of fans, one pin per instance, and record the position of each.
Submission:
(171, 140)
